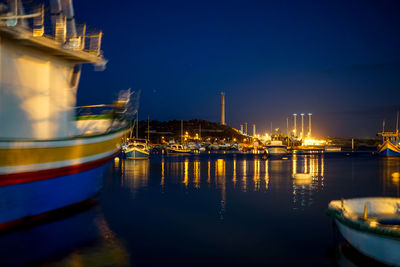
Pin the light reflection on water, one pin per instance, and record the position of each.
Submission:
(253, 175)
(390, 183)
(303, 189)
(135, 174)
(247, 186)
(244, 209)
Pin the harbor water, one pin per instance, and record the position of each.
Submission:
(209, 210)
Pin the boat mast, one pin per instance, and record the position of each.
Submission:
(148, 129)
(137, 124)
(182, 132)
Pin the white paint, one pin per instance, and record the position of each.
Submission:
(36, 98)
(383, 249)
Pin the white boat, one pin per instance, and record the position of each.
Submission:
(276, 148)
(177, 149)
(136, 149)
(370, 225)
(333, 149)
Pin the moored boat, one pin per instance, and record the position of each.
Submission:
(390, 146)
(49, 159)
(389, 149)
(371, 225)
(177, 149)
(276, 148)
(136, 149)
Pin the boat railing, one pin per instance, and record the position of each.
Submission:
(34, 19)
(389, 136)
(95, 112)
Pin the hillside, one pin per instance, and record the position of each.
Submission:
(172, 129)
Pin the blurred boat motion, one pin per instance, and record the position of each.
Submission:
(51, 153)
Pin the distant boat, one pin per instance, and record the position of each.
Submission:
(391, 142)
(177, 149)
(333, 149)
(370, 225)
(276, 148)
(389, 149)
(136, 149)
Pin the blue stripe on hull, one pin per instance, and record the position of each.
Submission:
(389, 153)
(137, 155)
(30, 199)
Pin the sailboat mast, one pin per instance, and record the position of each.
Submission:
(148, 128)
(182, 132)
(137, 124)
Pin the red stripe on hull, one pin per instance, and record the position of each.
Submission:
(28, 177)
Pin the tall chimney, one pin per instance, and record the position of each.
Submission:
(295, 126)
(309, 125)
(241, 129)
(245, 128)
(302, 126)
(254, 130)
(223, 108)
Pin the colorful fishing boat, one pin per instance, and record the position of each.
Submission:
(370, 225)
(390, 146)
(389, 149)
(49, 159)
(136, 149)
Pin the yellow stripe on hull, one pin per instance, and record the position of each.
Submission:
(27, 156)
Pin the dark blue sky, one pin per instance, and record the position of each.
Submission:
(339, 60)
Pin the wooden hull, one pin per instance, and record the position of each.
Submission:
(37, 177)
(137, 154)
(380, 248)
(370, 225)
(387, 149)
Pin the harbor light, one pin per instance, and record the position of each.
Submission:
(313, 142)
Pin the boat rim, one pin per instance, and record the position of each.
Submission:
(392, 232)
(124, 127)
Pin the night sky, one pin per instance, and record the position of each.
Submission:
(339, 60)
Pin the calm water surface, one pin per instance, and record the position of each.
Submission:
(210, 210)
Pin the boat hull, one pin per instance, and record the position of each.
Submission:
(387, 149)
(178, 151)
(56, 174)
(23, 201)
(277, 151)
(383, 249)
(137, 154)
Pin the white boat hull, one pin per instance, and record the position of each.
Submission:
(383, 249)
(277, 151)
